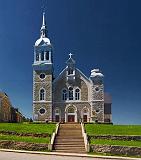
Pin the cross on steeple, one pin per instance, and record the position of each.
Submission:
(70, 55)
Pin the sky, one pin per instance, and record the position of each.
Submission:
(104, 34)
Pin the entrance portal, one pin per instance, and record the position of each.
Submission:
(71, 114)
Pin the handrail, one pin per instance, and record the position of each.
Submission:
(50, 146)
(84, 134)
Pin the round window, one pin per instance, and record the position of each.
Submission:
(97, 110)
(97, 89)
(42, 111)
(42, 75)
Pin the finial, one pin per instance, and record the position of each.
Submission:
(43, 24)
(43, 30)
(70, 55)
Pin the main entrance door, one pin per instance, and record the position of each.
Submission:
(71, 118)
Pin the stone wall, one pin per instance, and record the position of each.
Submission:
(116, 150)
(47, 115)
(23, 146)
(127, 138)
(62, 83)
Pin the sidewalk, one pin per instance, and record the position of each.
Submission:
(70, 154)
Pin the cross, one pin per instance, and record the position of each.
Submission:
(70, 55)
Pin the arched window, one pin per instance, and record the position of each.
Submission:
(37, 56)
(70, 93)
(42, 56)
(64, 94)
(47, 55)
(77, 94)
(71, 110)
(42, 94)
(70, 71)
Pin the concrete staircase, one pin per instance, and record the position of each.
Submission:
(69, 139)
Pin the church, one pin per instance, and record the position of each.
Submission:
(72, 96)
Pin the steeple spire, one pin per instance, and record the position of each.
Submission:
(43, 30)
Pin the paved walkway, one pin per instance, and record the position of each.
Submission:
(29, 156)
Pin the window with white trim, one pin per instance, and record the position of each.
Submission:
(70, 93)
(77, 94)
(64, 94)
(42, 94)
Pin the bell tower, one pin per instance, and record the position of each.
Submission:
(42, 76)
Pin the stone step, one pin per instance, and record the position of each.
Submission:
(70, 126)
(74, 138)
(69, 137)
(73, 127)
(70, 134)
(68, 141)
(71, 151)
(69, 130)
(69, 147)
(69, 144)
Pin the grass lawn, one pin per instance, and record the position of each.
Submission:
(28, 128)
(116, 142)
(25, 139)
(103, 129)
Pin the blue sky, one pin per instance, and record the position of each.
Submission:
(103, 34)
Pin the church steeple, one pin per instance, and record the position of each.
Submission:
(43, 47)
(43, 30)
(70, 68)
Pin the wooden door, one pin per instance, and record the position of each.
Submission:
(71, 118)
(84, 118)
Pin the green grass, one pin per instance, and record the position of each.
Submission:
(24, 139)
(116, 142)
(28, 128)
(103, 129)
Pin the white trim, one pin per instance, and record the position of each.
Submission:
(75, 101)
(42, 101)
(66, 112)
(79, 94)
(59, 76)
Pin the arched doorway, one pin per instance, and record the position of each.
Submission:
(71, 114)
(85, 114)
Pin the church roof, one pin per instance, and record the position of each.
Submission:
(42, 40)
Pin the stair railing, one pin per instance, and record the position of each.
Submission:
(86, 142)
(50, 146)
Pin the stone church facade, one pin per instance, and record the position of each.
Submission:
(71, 97)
